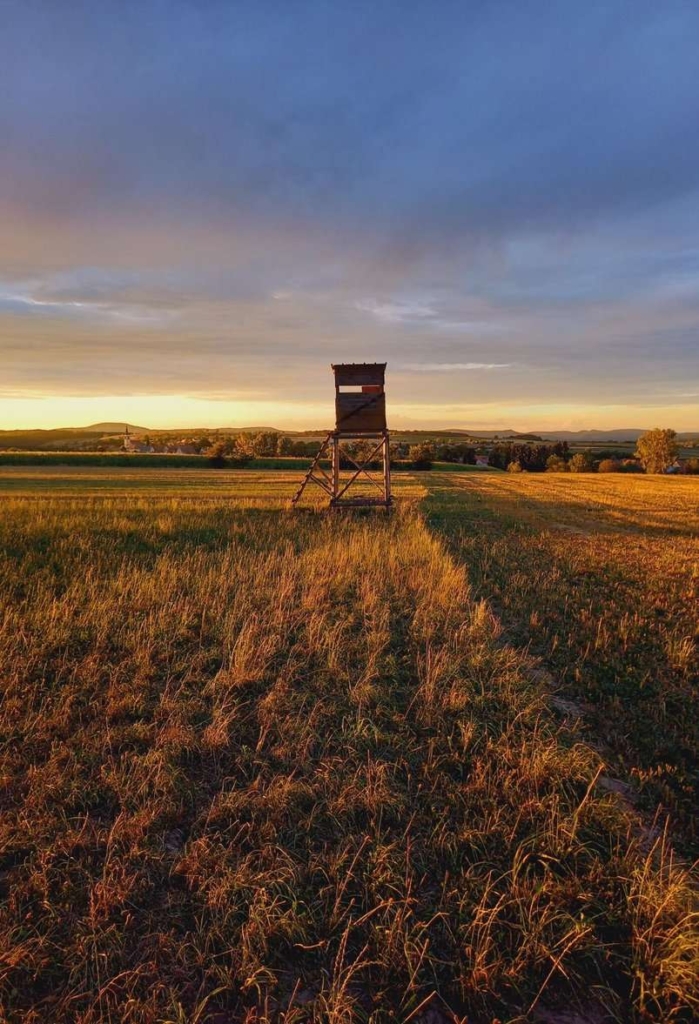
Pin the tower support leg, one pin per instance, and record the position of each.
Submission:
(335, 467)
(387, 471)
(337, 488)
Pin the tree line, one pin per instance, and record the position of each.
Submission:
(656, 452)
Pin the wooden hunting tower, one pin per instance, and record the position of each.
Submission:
(360, 415)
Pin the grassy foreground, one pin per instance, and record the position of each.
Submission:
(260, 766)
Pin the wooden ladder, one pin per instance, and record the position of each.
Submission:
(323, 480)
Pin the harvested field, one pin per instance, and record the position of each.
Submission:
(263, 766)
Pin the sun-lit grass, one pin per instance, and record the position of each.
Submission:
(259, 765)
(267, 488)
(263, 488)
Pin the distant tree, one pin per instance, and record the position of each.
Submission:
(456, 451)
(217, 455)
(617, 454)
(609, 466)
(496, 457)
(285, 445)
(243, 447)
(298, 448)
(421, 455)
(358, 452)
(308, 448)
(532, 457)
(514, 467)
(657, 450)
(556, 464)
(264, 444)
(692, 466)
(582, 462)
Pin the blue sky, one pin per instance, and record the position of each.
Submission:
(204, 204)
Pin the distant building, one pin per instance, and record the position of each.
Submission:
(132, 444)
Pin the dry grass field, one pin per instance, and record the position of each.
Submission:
(262, 766)
(599, 575)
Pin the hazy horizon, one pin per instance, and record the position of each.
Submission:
(503, 428)
(202, 206)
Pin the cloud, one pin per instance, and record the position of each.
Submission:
(216, 199)
(26, 301)
(396, 312)
(445, 367)
(423, 315)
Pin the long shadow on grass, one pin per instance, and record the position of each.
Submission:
(587, 514)
(603, 630)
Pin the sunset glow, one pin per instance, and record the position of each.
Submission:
(199, 212)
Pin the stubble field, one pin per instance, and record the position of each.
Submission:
(259, 766)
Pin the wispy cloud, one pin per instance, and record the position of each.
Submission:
(446, 367)
(397, 312)
(24, 303)
(428, 315)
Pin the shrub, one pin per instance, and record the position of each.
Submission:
(556, 464)
(217, 455)
(514, 467)
(421, 456)
(609, 466)
(582, 463)
(692, 466)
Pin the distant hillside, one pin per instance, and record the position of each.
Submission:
(118, 428)
(251, 430)
(593, 436)
(111, 428)
(94, 428)
(630, 434)
(505, 432)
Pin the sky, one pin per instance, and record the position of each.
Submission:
(204, 204)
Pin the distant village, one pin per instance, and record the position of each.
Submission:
(144, 445)
(417, 449)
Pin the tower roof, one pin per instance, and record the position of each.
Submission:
(348, 374)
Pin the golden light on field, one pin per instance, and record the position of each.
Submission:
(241, 735)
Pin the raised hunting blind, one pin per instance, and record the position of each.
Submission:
(360, 416)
